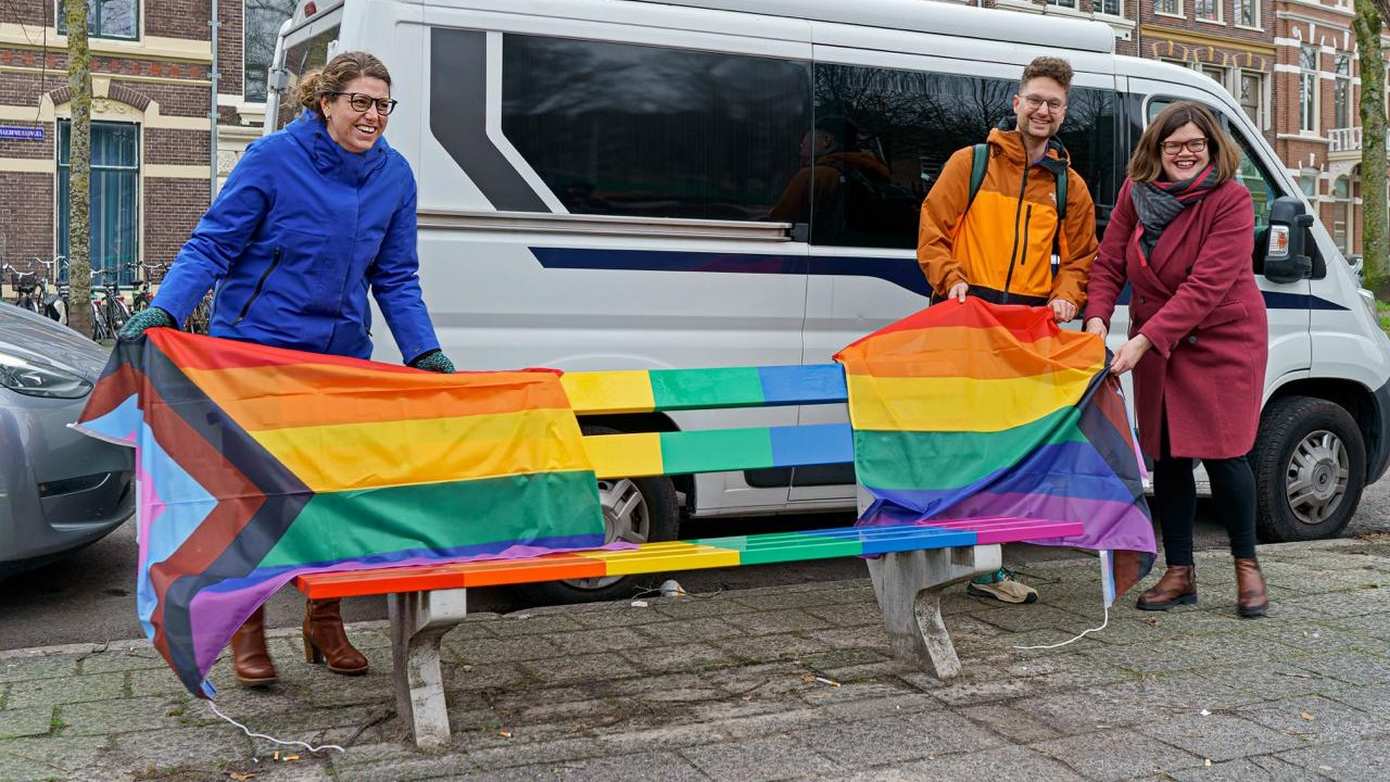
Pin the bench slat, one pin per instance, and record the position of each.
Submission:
(645, 391)
(670, 556)
(718, 450)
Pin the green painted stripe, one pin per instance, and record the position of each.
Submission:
(716, 450)
(932, 461)
(693, 389)
(351, 524)
(785, 547)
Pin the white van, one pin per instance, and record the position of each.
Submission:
(608, 184)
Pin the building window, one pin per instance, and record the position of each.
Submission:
(1062, 3)
(1308, 87)
(1210, 10)
(262, 26)
(1109, 7)
(1341, 214)
(1216, 73)
(1252, 97)
(1247, 13)
(1341, 92)
(114, 185)
(1169, 7)
(1308, 183)
(106, 18)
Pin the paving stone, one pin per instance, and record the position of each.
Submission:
(47, 692)
(1115, 755)
(1352, 667)
(1346, 762)
(707, 628)
(681, 659)
(610, 639)
(483, 650)
(808, 599)
(23, 668)
(1264, 768)
(771, 622)
(1010, 762)
(374, 767)
(525, 623)
(1342, 604)
(778, 757)
(1014, 725)
(32, 721)
(1035, 616)
(482, 676)
(123, 660)
(651, 765)
(853, 637)
(1219, 736)
(578, 667)
(688, 608)
(1318, 719)
(1373, 700)
(1268, 681)
(100, 718)
(1090, 709)
(57, 758)
(820, 693)
(168, 749)
(158, 681)
(769, 648)
(622, 615)
(911, 736)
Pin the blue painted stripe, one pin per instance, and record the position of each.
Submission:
(902, 272)
(945, 539)
(797, 446)
(808, 384)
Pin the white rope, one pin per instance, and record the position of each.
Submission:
(1077, 638)
(244, 729)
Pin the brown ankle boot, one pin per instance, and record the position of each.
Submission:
(1252, 599)
(1178, 586)
(325, 640)
(252, 661)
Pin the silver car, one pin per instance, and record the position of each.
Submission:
(59, 490)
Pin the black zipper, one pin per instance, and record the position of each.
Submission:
(245, 308)
(1027, 221)
(1013, 251)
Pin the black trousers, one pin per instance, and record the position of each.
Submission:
(1175, 502)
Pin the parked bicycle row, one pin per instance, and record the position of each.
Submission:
(48, 293)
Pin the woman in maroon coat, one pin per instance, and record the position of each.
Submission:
(1182, 236)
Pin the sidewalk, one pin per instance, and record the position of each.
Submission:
(786, 682)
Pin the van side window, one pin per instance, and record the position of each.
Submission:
(882, 137)
(307, 55)
(645, 131)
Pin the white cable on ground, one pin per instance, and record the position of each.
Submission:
(1077, 638)
(244, 729)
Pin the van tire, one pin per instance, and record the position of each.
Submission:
(656, 517)
(1329, 473)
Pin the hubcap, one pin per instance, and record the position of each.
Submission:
(625, 517)
(1316, 479)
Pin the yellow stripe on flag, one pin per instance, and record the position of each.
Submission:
(624, 455)
(674, 556)
(957, 404)
(627, 391)
(366, 455)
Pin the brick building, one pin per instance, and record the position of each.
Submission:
(151, 83)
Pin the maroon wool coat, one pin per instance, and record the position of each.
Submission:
(1197, 301)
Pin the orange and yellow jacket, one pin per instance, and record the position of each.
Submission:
(1002, 247)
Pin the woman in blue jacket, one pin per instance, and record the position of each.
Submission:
(310, 218)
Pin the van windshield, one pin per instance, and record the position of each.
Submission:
(301, 57)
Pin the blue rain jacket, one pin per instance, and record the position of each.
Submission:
(300, 230)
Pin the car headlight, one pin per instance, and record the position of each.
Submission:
(26, 377)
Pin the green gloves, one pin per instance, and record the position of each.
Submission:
(433, 361)
(144, 320)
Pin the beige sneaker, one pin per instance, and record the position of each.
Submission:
(1002, 586)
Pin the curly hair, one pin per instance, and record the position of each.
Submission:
(341, 70)
(1054, 68)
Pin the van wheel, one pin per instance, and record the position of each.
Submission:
(1310, 467)
(637, 510)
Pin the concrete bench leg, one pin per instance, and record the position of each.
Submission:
(908, 586)
(419, 621)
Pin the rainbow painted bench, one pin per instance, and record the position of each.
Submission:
(909, 564)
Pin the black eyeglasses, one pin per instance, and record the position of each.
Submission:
(362, 102)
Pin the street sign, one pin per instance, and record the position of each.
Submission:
(21, 133)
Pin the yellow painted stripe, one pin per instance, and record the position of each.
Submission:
(365, 455)
(936, 404)
(625, 455)
(684, 556)
(609, 392)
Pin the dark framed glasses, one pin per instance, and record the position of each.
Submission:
(362, 102)
(1192, 145)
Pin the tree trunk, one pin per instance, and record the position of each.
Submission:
(79, 169)
(1375, 244)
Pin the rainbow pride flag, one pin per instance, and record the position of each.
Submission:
(258, 464)
(975, 410)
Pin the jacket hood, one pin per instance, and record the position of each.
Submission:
(1009, 142)
(332, 160)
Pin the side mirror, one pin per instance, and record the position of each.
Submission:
(1289, 233)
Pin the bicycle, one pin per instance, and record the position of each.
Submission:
(201, 316)
(143, 273)
(109, 313)
(55, 304)
(25, 285)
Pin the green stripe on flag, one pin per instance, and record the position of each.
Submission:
(715, 450)
(520, 508)
(684, 389)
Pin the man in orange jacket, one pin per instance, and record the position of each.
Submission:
(990, 228)
(1002, 244)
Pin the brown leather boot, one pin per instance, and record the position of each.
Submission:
(325, 640)
(252, 661)
(1252, 599)
(1178, 586)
